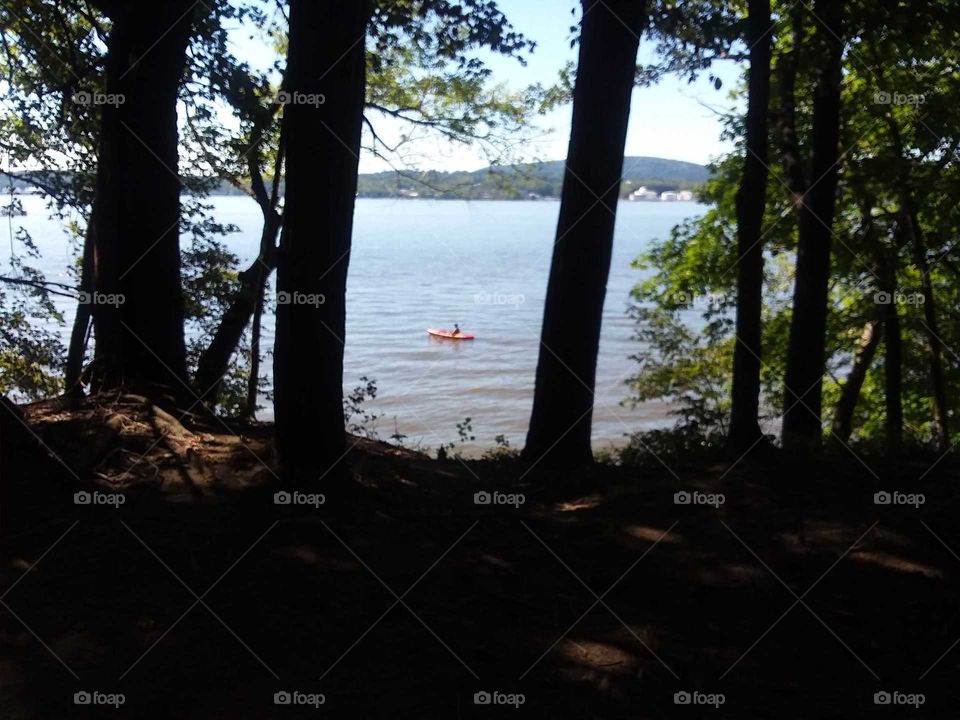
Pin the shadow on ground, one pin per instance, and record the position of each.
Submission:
(199, 597)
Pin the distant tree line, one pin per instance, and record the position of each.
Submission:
(510, 182)
(519, 182)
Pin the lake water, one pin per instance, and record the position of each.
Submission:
(482, 264)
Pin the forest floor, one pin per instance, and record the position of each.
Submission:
(597, 597)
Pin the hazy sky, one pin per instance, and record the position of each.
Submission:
(668, 120)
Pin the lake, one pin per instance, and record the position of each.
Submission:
(482, 264)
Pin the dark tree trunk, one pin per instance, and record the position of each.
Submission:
(893, 358)
(560, 424)
(893, 381)
(248, 301)
(866, 349)
(81, 322)
(915, 239)
(931, 328)
(253, 381)
(806, 359)
(326, 58)
(136, 213)
(215, 360)
(787, 69)
(751, 203)
(267, 246)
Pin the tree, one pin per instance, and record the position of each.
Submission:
(916, 241)
(806, 359)
(899, 134)
(910, 127)
(751, 204)
(893, 364)
(560, 424)
(322, 125)
(136, 212)
(415, 75)
(247, 301)
(42, 127)
(52, 122)
(866, 349)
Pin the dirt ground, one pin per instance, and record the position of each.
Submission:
(596, 597)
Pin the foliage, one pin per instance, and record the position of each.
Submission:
(898, 147)
(684, 446)
(359, 420)
(501, 450)
(427, 81)
(30, 351)
(423, 71)
(465, 434)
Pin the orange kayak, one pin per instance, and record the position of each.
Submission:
(449, 335)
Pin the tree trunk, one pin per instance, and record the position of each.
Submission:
(918, 247)
(267, 246)
(866, 349)
(215, 360)
(806, 359)
(751, 204)
(560, 424)
(136, 214)
(893, 359)
(931, 326)
(253, 382)
(81, 322)
(787, 69)
(326, 59)
(248, 301)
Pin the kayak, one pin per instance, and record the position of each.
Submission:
(448, 334)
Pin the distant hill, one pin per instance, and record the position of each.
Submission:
(509, 182)
(514, 182)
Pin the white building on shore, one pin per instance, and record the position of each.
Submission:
(642, 193)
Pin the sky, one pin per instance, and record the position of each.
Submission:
(665, 120)
(673, 119)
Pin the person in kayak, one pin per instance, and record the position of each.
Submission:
(456, 330)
